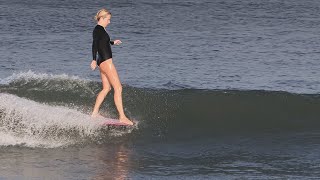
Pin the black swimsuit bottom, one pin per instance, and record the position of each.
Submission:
(101, 44)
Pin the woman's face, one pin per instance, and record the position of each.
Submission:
(107, 19)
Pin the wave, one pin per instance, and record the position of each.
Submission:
(32, 124)
(161, 113)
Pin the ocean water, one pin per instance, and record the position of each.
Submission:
(219, 89)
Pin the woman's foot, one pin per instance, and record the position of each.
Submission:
(125, 120)
(96, 115)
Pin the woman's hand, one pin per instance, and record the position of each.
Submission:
(93, 65)
(117, 42)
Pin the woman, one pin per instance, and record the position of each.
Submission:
(109, 76)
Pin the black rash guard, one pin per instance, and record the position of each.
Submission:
(101, 44)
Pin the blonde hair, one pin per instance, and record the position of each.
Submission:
(101, 13)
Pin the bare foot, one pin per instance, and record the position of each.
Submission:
(126, 120)
(96, 115)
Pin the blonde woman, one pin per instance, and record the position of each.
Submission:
(102, 45)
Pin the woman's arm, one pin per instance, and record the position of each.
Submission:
(95, 43)
(115, 42)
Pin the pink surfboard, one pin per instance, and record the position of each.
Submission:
(113, 122)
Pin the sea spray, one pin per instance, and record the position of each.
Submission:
(32, 124)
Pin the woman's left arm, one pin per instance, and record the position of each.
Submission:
(115, 42)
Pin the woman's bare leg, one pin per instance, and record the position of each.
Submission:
(103, 93)
(109, 69)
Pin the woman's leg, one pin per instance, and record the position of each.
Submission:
(109, 69)
(103, 93)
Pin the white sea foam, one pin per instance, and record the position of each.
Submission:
(56, 82)
(28, 123)
(30, 75)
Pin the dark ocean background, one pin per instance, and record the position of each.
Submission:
(219, 89)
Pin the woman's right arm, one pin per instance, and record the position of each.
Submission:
(94, 49)
(95, 44)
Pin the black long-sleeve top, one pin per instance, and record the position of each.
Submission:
(101, 44)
